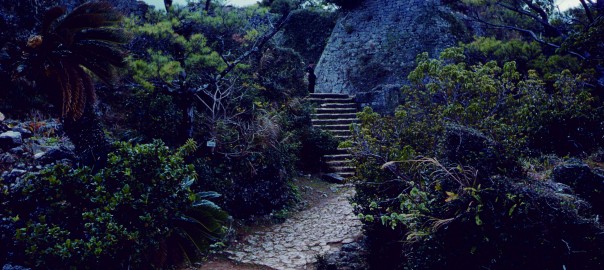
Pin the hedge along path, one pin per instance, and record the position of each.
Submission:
(295, 243)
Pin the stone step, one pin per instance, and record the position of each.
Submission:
(333, 127)
(346, 133)
(346, 174)
(342, 151)
(333, 115)
(322, 110)
(339, 163)
(332, 100)
(328, 95)
(340, 121)
(337, 157)
(341, 169)
(342, 138)
(341, 105)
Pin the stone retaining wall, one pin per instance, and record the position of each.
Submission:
(373, 48)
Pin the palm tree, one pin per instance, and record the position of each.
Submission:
(68, 49)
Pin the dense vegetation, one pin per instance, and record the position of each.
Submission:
(200, 73)
(182, 120)
(468, 173)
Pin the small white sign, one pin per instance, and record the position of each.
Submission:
(211, 143)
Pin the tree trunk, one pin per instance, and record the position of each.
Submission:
(168, 4)
(208, 4)
(88, 137)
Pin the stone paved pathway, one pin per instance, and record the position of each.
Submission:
(295, 244)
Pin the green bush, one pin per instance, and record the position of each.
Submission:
(420, 213)
(514, 109)
(251, 185)
(447, 217)
(471, 207)
(307, 33)
(137, 212)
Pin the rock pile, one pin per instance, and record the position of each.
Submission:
(30, 146)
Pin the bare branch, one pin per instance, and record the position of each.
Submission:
(587, 11)
(531, 33)
(257, 46)
(541, 19)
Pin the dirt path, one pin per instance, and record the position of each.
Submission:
(321, 229)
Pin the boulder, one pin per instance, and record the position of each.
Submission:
(25, 133)
(333, 177)
(10, 139)
(17, 150)
(14, 267)
(54, 154)
(351, 256)
(586, 183)
(7, 158)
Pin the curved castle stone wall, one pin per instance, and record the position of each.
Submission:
(373, 47)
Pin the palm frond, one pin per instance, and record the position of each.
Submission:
(95, 20)
(101, 50)
(50, 17)
(90, 15)
(99, 67)
(105, 34)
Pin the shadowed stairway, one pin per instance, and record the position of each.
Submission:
(335, 113)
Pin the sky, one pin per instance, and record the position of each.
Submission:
(563, 4)
(566, 4)
(160, 3)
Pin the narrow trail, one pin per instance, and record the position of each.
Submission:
(321, 229)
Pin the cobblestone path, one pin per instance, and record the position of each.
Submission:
(295, 244)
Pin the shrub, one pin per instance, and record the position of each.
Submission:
(255, 184)
(471, 207)
(307, 33)
(137, 212)
(420, 213)
(515, 110)
(448, 217)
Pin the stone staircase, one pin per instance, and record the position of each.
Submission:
(335, 113)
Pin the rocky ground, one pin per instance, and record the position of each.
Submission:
(326, 231)
(30, 146)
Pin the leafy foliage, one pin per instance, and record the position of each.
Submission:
(138, 211)
(471, 207)
(516, 112)
(250, 110)
(307, 33)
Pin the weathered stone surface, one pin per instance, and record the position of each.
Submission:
(25, 133)
(587, 183)
(14, 267)
(333, 177)
(10, 139)
(7, 158)
(54, 154)
(296, 243)
(373, 48)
